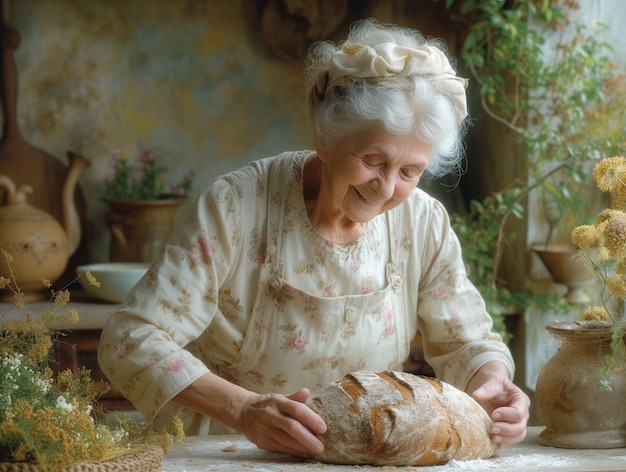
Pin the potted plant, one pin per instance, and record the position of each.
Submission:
(142, 211)
(546, 101)
(580, 391)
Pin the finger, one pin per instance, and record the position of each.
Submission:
(304, 415)
(507, 414)
(283, 444)
(504, 434)
(295, 431)
(284, 434)
(300, 396)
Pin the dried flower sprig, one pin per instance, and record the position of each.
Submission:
(602, 249)
(49, 420)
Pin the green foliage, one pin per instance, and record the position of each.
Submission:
(618, 350)
(555, 99)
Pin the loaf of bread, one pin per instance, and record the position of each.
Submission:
(400, 419)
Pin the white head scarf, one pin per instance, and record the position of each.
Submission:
(388, 59)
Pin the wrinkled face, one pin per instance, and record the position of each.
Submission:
(375, 175)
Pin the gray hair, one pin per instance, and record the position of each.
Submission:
(397, 104)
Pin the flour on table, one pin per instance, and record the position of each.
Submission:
(511, 463)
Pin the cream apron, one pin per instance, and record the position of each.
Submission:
(296, 339)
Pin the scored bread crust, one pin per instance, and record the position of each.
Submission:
(397, 418)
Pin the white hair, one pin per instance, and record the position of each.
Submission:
(400, 105)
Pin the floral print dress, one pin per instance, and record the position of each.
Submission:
(247, 289)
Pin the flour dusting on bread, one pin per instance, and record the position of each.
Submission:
(397, 418)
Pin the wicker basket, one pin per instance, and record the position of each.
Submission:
(145, 460)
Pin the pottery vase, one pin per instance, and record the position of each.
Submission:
(140, 228)
(576, 410)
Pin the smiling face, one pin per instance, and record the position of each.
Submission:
(373, 176)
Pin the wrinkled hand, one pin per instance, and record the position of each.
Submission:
(507, 406)
(282, 423)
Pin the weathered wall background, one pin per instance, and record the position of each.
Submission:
(194, 81)
(183, 78)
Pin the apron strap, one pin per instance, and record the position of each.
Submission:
(277, 196)
(394, 272)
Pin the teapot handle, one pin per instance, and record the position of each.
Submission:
(15, 195)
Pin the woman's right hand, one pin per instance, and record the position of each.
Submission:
(275, 422)
(282, 423)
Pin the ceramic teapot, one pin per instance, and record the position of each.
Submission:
(39, 245)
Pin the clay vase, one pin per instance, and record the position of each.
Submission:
(577, 412)
(140, 228)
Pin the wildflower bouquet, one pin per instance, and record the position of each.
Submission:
(602, 249)
(144, 180)
(49, 420)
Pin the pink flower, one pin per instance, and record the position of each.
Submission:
(174, 365)
(298, 343)
(146, 155)
(205, 248)
(442, 293)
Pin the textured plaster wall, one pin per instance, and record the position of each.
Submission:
(188, 79)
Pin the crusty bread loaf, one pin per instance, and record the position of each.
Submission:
(397, 418)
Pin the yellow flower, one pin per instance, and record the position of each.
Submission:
(61, 298)
(617, 285)
(619, 202)
(586, 236)
(91, 279)
(609, 173)
(7, 256)
(608, 213)
(71, 315)
(596, 313)
(615, 237)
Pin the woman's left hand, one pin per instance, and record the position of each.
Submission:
(507, 405)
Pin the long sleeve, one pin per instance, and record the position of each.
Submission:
(455, 326)
(142, 345)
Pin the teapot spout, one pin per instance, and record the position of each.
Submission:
(71, 219)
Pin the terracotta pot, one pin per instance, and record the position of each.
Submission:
(577, 412)
(140, 228)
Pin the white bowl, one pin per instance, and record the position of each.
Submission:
(116, 279)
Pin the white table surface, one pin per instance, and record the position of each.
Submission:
(235, 453)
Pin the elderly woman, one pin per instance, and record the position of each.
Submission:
(300, 268)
